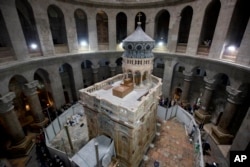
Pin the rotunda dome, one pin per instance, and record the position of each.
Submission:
(138, 44)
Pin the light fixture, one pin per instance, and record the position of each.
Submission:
(231, 48)
(160, 43)
(121, 44)
(33, 46)
(83, 43)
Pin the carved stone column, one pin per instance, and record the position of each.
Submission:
(221, 132)
(95, 72)
(202, 116)
(112, 69)
(35, 105)
(20, 144)
(188, 76)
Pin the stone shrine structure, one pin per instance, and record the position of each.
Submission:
(124, 107)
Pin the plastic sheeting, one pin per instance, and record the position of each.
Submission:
(86, 156)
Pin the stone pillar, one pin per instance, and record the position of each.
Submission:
(78, 79)
(221, 133)
(167, 77)
(223, 22)
(173, 33)
(20, 144)
(202, 116)
(71, 33)
(43, 27)
(93, 45)
(9, 12)
(196, 26)
(112, 32)
(130, 24)
(112, 69)
(35, 105)
(188, 75)
(243, 53)
(95, 72)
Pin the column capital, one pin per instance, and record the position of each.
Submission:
(6, 102)
(209, 83)
(188, 75)
(95, 68)
(30, 88)
(112, 66)
(234, 96)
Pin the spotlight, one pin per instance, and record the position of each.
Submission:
(160, 43)
(231, 48)
(83, 43)
(121, 44)
(33, 46)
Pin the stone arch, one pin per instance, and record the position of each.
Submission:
(68, 82)
(57, 25)
(208, 26)
(87, 73)
(184, 29)
(81, 21)
(20, 102)
(137, 77)
(140, 16)
(4, 34)
(104, 69)
(119, 61)
(44, 88)
(121, 27)
(102, 30)
(28, 24)
(158, 69)
(218, 100)
(242, 107)
(198, 84)
(236, 30)
(162, 20)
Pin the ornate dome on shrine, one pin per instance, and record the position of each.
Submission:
(138, 44)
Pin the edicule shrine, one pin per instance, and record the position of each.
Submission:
(124, 107)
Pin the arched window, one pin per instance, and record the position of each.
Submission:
(68, 83)
(161, 26)
(57, 25)
(237, 27)
(81, 27)
(102, 30)
(121, 27)
(27, 21)
(208, 27)
(4, 35)
(184, 29)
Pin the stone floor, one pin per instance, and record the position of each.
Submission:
(172, 148)
(78, 134)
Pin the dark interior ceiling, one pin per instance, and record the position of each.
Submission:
(126, 3)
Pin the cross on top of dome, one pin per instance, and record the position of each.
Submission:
(139, 18)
